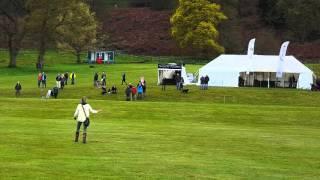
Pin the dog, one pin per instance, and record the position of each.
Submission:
(185, 91)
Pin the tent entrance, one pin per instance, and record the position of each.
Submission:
(167, 73)
(268, 80)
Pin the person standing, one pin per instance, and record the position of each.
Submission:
(44, 80)
(95, 79)
(140, 91)
(103, 82)
(163, 83)
(202, 83)
(128, 92)
(58, 81)
(81, 114)
(123, 78)
(39, 79)
(206, 80)
(103, 75)
(134, 93)
(62, 81)
(181, 83)
(18, 88)
(73, 78)
(144, 86)
(178, 79)
(66, 77)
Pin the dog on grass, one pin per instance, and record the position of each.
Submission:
(185, 91)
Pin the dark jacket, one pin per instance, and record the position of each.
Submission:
(128, 91)
(18, 87)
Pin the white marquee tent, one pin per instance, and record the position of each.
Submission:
(229, 70)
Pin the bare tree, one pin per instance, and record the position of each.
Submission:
(12, 24)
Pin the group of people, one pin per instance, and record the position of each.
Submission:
(112, 90)
(102, 83)
(136, 92)
(62, 79)
(99, 83)
(204, 81)
(42, 80)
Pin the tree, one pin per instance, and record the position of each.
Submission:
(45, 18)
(78, 31)
(302, 17)
(270, 13)
(194, 25)
(163, 5)
(12, 24)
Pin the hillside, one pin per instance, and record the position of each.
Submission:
(140, 31)
(146, 31)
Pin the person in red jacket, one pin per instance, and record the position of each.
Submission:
(134, 93)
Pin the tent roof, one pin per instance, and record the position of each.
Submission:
(258, 63)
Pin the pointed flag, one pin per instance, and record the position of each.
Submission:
(283, 50)
(251, 48)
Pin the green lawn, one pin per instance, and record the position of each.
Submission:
(222, 133)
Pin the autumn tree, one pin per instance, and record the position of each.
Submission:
(12, 24)
(79, 30)
(194, 25)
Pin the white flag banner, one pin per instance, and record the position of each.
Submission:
(251, 48)
(282, 55)
(283, 50)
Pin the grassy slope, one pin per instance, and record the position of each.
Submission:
(258, 133)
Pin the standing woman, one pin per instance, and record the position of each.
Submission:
(82, 113)
(18, 88)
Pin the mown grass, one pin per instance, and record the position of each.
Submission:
(222, 133)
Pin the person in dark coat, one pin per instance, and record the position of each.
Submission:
(66, 77)
(18, 88)
(181, 83)
(123, 78)
(206, 80)
(202, 83)
(114, 89)
(128, 92)
(73, 78)
(95, 79)
(44, 80)
(55, 92)
(164, 83)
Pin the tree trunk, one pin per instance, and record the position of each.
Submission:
(13, 58)
(13, 53)
(78, 57)
(42, 52)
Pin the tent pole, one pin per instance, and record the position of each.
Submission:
(158, 77)
(268, 80)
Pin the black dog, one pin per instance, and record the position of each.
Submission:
(185, 91)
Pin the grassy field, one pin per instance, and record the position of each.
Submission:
(222, 133)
